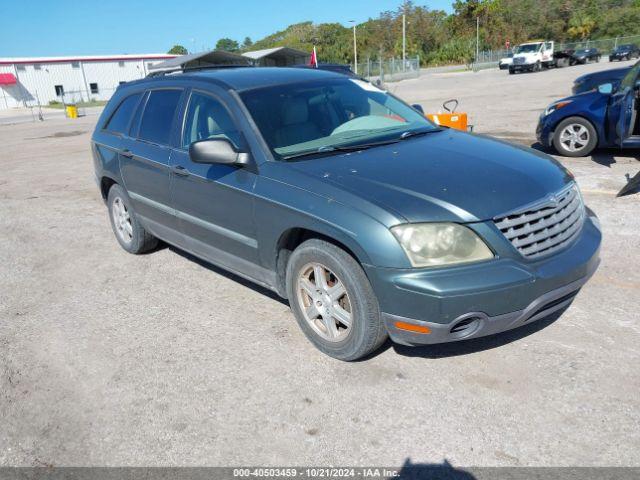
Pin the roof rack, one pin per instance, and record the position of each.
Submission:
(160, 73)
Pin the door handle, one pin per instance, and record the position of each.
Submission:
(180, 170)
(126, 153)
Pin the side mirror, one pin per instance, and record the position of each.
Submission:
(217, 150)
(606, 88)
(418, 107)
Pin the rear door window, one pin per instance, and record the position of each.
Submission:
(119, 121)
(158, 116)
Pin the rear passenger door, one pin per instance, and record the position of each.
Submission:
(144, 160)
(214, 202)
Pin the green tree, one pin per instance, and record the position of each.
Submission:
(247, 43)
(581, 26)
(228, 45)
(439, 37)
(177, 50)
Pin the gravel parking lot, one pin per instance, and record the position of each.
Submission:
(112, 359)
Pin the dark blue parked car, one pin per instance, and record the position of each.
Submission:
(369, 219)
(605, 117)
(624, 52)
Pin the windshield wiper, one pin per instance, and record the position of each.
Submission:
(417, 133)
(358, 146)
(329, 149)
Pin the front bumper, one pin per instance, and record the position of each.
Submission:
(544, 132)
(522, 67)
(483, 299)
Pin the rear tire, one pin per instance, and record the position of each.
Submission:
(130, 234)
(575, 137)
(314, 269)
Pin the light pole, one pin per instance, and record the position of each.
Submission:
(355, 48)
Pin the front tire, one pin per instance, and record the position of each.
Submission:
(333, 301)
(575, 137)
(130, 234)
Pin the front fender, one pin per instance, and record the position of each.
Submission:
(281, 207)
(591, 106)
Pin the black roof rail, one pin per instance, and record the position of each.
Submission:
(167, 71)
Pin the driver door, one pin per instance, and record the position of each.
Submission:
(623, 106)
(214, 202)
(547, 51)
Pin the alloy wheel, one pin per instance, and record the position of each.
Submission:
(324, 302)
(574, 137)
(122, 220)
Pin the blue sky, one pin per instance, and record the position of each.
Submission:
(66, 27)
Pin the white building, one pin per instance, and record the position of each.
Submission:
(29, 81)
(278, 57)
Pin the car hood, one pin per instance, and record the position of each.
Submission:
(443, 176)
(588, 96)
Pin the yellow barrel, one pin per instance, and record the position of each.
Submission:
(72, 111)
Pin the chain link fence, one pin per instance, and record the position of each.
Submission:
(390, 70)
(490, 58)
(605, 45)
(83, 99)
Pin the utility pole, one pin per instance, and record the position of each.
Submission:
(404, 42)
(355, 48)
(477, 41)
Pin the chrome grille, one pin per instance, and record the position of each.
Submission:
(546, 226)
(519, 60)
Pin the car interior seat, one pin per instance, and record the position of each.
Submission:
(296, 126)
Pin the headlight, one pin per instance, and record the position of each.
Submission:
(556, 106)
(435, 244)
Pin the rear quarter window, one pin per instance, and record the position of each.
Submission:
(121, 118)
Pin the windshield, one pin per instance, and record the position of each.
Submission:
(325, 115)
(623, 48)
(528, 48)
(582, 52)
